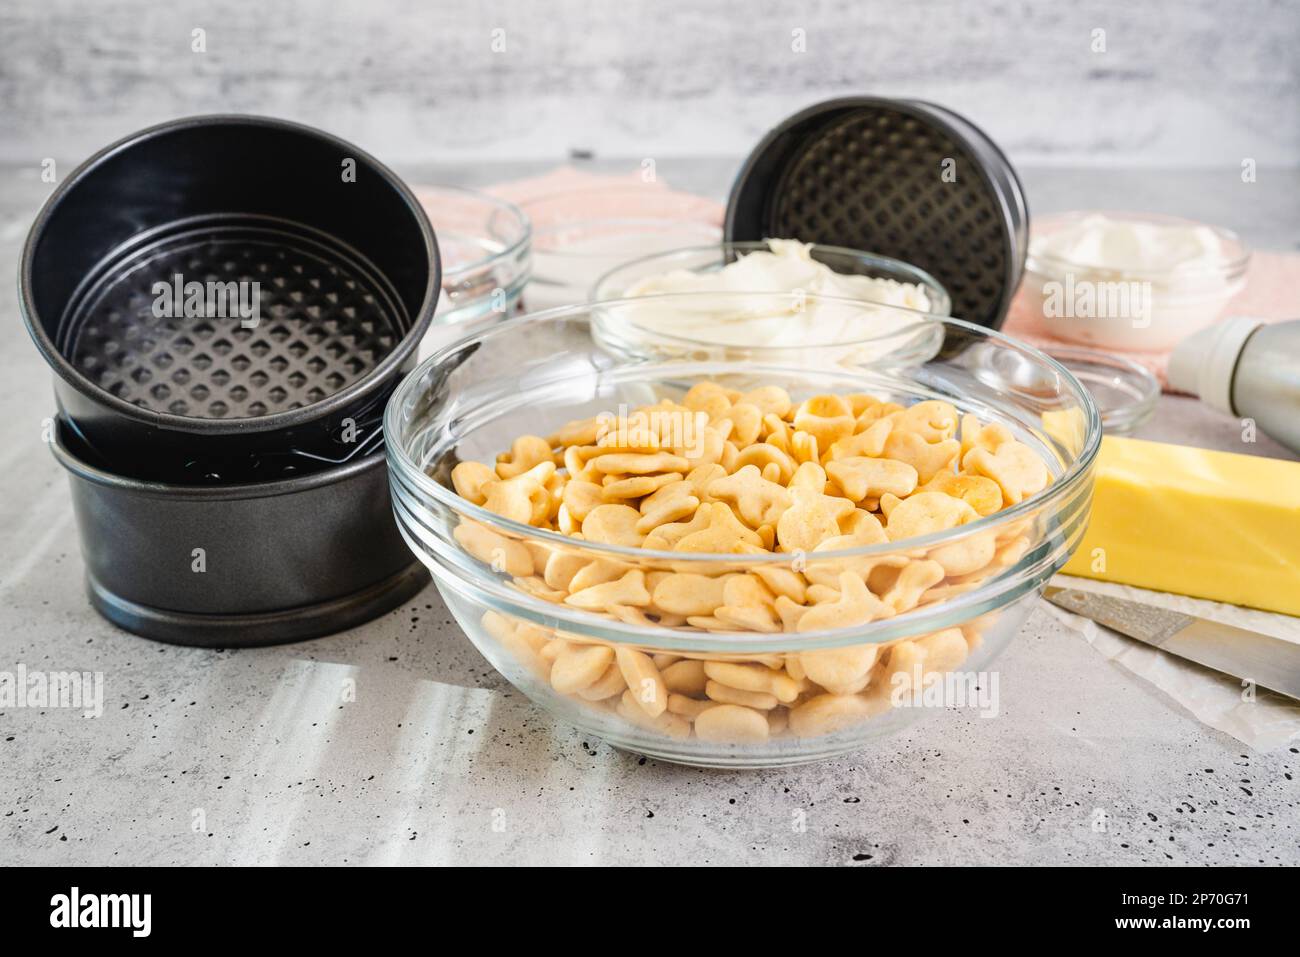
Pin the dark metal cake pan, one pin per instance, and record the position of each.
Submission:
(239, 565)
(227, 284)
(902, 178)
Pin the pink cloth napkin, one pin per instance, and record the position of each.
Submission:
(567, 194)
(1269, 294)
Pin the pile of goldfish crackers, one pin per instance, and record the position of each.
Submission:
(743, 476)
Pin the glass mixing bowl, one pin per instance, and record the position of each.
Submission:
(786, 696)
(742, 320)
(485, 243)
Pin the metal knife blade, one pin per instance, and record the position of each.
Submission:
(1269, 662)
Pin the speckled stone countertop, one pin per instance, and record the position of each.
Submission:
(205, 757)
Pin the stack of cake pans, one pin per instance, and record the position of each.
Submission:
(227, 303)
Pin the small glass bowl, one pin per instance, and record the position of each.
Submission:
(1131, 309)
(857, 333)
(617, 283)
(579, 235)
(485, 244)
(1126, 393)
(737, 324)
(533, 374)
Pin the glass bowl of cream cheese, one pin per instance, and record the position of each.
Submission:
(828, 296)
(1132, 281)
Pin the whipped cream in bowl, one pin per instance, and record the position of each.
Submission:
(1133, 281)
(804, 302)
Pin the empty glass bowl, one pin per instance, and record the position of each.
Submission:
(799, 695)
(485, 244)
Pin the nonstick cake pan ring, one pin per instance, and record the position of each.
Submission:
(900, 178)
(239, 565)
(347, 275)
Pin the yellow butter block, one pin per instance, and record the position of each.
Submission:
(1208, 524)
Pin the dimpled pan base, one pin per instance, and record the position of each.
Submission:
(870, 174)
(325, 318)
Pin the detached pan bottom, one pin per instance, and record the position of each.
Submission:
(252, 630)
(235, 565)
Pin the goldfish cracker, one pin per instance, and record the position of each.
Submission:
(979, 492)
(644, 683)
(933, 420)
(665, 537)
(732, 724)
(578, 432)
(468, 478)
(966, 556)
(525, 452)
(828, 713)
(580, 666)
(535, 585)
(688, 707)
(928, 459)
(685, 677)
(503, 554)
(597, 572)
(828, 418)
(668, 724)
(746, 420)
(811, 518)
(804, 447)
(613, 525)
(770, 400)
(756, 500)
(861, 477)
(608, 685)
(637, 463)
(519, 498)
(870, 442)
(707, 397)
(722, 533)
(620, 489)
(915, 579)
(1016, 468)
(724, 694)
(561, 568)
(753, 677)
(853, 605)
(839, 670)
(628, 590)
(782, 581)
(667, 505)
(763, 454)
(925, 513)
(689, 594)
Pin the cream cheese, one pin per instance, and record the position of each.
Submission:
(1128, 246)
(806, 318)
(1131, 280)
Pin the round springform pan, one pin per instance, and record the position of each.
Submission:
(239, 565)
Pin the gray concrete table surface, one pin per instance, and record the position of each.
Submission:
(252, 756)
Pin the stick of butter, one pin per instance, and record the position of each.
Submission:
(1208, 524)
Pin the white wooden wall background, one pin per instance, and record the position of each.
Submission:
(1180, 82)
